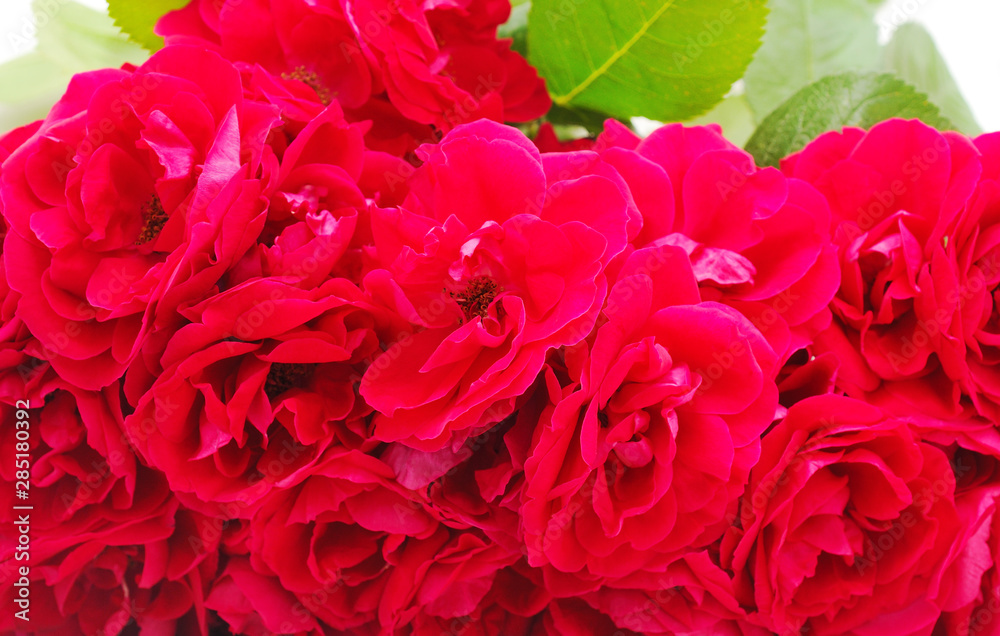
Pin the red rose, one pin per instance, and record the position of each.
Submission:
(493, 273)
(85, 480)
(317, 217)
(445, 579)
(250, 603)
(328, 545)
(757, 241)
(414, 69)
(641, 459)
(254, 390)
(914, 211)
(970, 348)
(972, 603)
(693, 596)
(102, 589)
(22, 365)
(108, 543)
(848, 524)
(133, 196)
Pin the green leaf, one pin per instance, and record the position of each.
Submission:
(848, 99)
(912, 55)
(663, 59)
(590, 120)
(807, 40)
(516, 27)
(734, 115)
(137, 19)
(71, 40)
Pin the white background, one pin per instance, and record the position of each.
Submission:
(967, 33)
(16, 20)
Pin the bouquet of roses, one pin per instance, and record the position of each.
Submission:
(297, 336)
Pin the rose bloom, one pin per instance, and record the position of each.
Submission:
(351, 549)
(452, 579)
(848, 525)
(21, 365)
(317, 216)
(915, 214)
(108, 541)
(255, 388)
(480, 484)
(496, 257)
(132, 197)
(150, 582)
(970, 349)
(83, 472)
(413, 68)
(758, 241)
(21, 373)
(693, 596)
(641, 459)
(319, 553)
(973, 447)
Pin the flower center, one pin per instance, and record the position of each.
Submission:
(286, 375)
(478, 294)
(156, 218)
(310, 79)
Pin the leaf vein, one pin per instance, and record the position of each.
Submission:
(563, 100)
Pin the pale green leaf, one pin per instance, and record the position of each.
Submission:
(79, 38)
(807, 40)
(71, 40)
(913, 56)
(516, 27)
(848, 99)
(29, 77)
(734, 115)
(668, 60)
